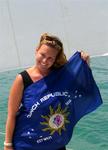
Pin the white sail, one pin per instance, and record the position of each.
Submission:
(81, 24)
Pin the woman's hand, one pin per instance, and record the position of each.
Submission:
(8, 148)
(85, 56)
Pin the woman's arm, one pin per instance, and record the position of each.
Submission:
(14, 101)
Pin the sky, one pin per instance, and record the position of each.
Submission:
(80, 24)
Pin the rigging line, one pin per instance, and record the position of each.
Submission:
(13, 31)
(64, 24)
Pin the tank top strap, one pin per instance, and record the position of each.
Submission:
(26, 78)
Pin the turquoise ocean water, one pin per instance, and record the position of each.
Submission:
(91, 132)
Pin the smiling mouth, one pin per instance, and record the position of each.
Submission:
(43, 64)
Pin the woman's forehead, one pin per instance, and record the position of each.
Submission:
(48, 50)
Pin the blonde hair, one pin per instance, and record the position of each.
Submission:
(54, 42)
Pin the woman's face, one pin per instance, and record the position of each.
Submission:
(45, 57)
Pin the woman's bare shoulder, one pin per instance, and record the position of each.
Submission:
(17, 84)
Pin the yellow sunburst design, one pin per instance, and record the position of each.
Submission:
(56, 120)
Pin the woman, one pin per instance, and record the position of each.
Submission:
(49, 55)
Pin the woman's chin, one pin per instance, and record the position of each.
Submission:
(43, 68)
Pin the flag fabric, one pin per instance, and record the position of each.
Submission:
(52, 106)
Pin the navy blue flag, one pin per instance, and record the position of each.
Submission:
(52, 106)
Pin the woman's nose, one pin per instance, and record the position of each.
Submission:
(44, 60)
